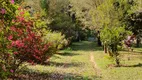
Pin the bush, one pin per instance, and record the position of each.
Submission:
(57, 39)
(112, 37)
(20, 40)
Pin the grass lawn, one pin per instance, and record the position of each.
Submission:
(74, 63)
(132, 70)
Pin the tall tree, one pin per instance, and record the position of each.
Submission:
(109, 18)
(135, 21)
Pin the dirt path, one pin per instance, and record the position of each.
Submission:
(96, 68)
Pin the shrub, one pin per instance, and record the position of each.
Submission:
(20, 41)
(112, 37)
(7, 61)
(26, 42)
(57, 39)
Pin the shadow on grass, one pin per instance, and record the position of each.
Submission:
(131, 53)
(67, 54)
(35, 75)
(136, 65)
(65, 65)
(137, 52)
(85, 46)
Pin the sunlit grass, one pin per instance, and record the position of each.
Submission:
(74, 63)
(131, 60)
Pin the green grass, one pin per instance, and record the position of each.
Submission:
(70, 64)
(74, 63)
(132, 69)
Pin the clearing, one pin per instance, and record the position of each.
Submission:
(85, 61)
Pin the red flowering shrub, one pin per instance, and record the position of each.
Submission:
(7, 61)
(26, 44)
(20, 41)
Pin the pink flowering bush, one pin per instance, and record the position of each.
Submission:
(6, 60)
(20, 41)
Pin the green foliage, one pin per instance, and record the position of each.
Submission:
(63, 23)
(108, 19)
(4, 74)
(111, 13)
(134, 19)
(21, 37)
(59, 21)
(63, 19)
(7, 13)
(113, 35)
(112, 39)
(44, 4)
(57, 40)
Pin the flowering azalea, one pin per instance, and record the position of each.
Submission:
(12, 1)
(13, 43)
(3, 11)
(13, 20)
(10, 37)
(9, 46)
(20, 32)
(13, 28)
(19, 8)
(11, 71)
(21, 41)
(8, 54)
(21, 19)
(21, 45)
(21, 13)
(15, 53)
(30, 61)
(25, 41)
(3, 68)
(17, 42)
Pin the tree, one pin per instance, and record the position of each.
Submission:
(134, 21)
(109, 17)
(63, 18)
(112, 37)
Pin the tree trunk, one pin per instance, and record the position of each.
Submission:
(105, 48)
(115, 54)
(138, 42)
(117, 61)
(110, 53)
(99, 41)
(98, 38)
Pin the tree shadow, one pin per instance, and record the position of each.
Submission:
(139, 52)
(98, 48)
(65, 65)
(134, 52)
(35, 75)
(136, 65)
(86, 46)
(67, 53)
(57, 57)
